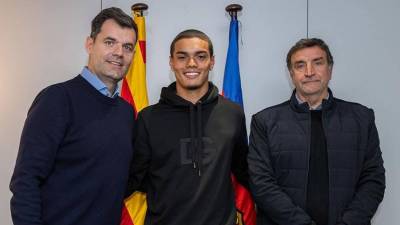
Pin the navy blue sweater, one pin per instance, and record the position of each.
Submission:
(74, 156)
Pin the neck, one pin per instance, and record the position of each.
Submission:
(192, 95)
(110, 84)
(313, 101)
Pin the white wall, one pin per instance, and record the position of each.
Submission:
(42, 43)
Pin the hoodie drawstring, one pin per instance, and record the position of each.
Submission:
(192, 136)
(196, 141)
(199, 150)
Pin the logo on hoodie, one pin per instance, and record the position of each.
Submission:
(189, 147)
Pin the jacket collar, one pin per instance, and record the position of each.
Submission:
(327, 104)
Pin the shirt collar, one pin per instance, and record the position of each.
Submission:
(97, 83)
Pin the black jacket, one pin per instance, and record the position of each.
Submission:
(183, 156)
(279, 156)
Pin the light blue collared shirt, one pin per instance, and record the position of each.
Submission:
(97, 83)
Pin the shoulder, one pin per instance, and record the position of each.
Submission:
(125, 105)
(125, 110)
(355, 108)
(273, 111)
(351, 105)
(58, 90)
(52, 95)
(229, 106)
(63, 90)
(50, 106)
(59, 96)
(149, 113)
(146, 111)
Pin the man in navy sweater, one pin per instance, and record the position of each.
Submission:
(76, 145)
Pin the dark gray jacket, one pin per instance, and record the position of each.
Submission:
(279, 157)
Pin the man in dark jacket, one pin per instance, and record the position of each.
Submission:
(187, 143)
(315, 159)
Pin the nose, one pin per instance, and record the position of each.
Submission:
(192, 62)
(310, 71)
(118, 50)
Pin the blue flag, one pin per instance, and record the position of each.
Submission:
(231, 88)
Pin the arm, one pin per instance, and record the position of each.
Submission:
(240, 179)
(267, 193)
(371, 184)
(43, 132)
(239, 157)
(141, 158)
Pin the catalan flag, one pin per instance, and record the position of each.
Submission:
(134, 91)
(232, 90)
(134, 88)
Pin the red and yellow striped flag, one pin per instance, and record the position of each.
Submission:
(134, 88)
(134, 91)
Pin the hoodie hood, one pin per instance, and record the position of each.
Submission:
(169, 97)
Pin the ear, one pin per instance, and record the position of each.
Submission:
(330, 71)
(89, 44)
(212, 62)
(171, 63)
(291, 73)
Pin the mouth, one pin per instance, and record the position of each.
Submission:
(191, 74)
(311, 81)
(115, 63)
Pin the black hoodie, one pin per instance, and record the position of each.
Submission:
(184, 155)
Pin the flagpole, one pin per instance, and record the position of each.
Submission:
(232, 90)
(139, 7)
(134, 91)
(134, 87)
(231, 85)
(233, 9)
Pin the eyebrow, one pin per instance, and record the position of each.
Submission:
(128, 43)
(303, 61)
(110, 38)
(196, 53)
(298, 62)
(317, 59)
(115, 40)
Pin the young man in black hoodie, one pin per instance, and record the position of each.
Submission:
(189, 143)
